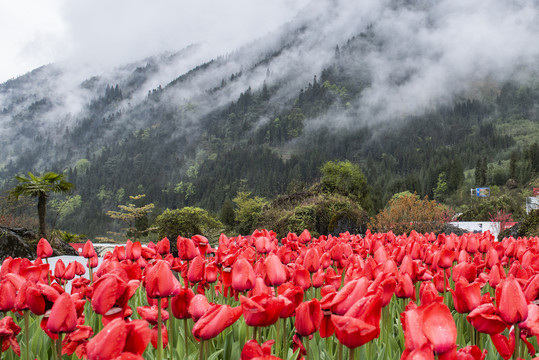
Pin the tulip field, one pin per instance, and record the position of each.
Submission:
(377, 296)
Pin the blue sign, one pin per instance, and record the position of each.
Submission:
(482, 192)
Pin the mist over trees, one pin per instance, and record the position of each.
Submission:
(273, 120)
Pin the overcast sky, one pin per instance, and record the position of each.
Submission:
(104, 33)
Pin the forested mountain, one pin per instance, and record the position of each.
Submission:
(370, 83)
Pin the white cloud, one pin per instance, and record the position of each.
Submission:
(103, 33)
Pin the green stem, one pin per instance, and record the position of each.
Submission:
(351, 354)
(27, 333)
(59, 346)
(339, 351)
(201, 350)
(159, 330)
(185, 336)
(516, 352)
(306, 347)
(277, 344)
(284, 348)
(171, 327)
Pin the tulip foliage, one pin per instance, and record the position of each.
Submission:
(377, 296)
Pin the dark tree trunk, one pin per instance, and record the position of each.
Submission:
(41, 212)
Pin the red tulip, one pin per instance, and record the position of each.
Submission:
(308, 317)
(352, 332)
(196, 270)
(76, 341)
(261, 310)
(44, 249)
(215, 320)
(430, 324)
(311, 261)
(133, 251)
(243, 275)
(180, 303)
(112, 291)
(149, 313)
(8, 292)
(40, 298)
(349, 295)
(59, 269)
(8, 335)
(446, 258)
(159, 280)
(63, 317)
(471, 352)
(186, 249)
(504, 345)
(211, 272)
(198, 307)
(466, 297)
(163, 246)
(252, 350)
(275, 271)
(485, 318)
(511, 301)
(439, 327)
(88, 250)
(118, 337)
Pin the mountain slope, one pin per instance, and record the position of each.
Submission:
(396, 87)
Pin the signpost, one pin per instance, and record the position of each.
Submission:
(480, 192)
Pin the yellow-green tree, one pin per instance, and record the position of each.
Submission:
(248, 211)
(132, 215)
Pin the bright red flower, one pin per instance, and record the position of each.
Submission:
(59, 269)
(40, 298)
(243, 275)
(432, 325)
(198, 306)
(485, 318)
(112, 290)
(118, 337)
(215, 320)
(63, 317)
(511, 301)
(77, 340)
(159, 280)
(8, 292)
(308, 317)
(149, 313)
(405, 287)
(466, 297)
(133, 251)
(261, 310)
(439, 327)
(504, 345)
(349, 295)
(352, 332)
(88, 250)
(44, 249)
(8, 335)
(253, 350)
(164, 336)
(446, 258)
(196, 270)
(472, 352)
(186, 249)
(180, 303)
(311, 260)
(275, 271)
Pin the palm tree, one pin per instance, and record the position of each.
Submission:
(41, 187)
